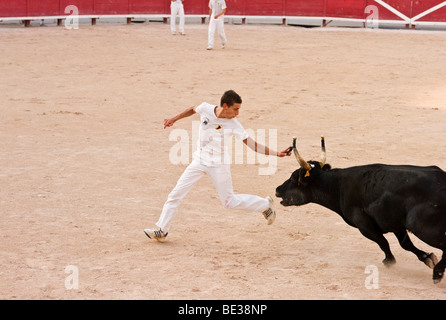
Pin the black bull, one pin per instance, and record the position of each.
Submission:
(377, 199)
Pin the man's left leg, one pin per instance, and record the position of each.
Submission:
(182, 19)
(221, 31)
(211, 33)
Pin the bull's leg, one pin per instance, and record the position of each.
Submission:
(370, 230)
(428, 223)
(439, 269)
(384, 245)
(428, 258)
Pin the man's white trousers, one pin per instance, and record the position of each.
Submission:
(219, 25)
(176, 9)
(222, 180)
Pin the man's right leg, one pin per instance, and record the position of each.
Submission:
(173, 16)
(190, 176)
(211, 33)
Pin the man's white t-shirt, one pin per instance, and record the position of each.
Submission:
(213, 136)
(217, 6)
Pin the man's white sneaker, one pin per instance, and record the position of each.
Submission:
(157, 234)
(270, 213)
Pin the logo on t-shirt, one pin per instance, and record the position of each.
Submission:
(205, 121)
(218, 127)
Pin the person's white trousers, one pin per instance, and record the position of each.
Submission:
(176, 9)
(222, 180)
(219, 25)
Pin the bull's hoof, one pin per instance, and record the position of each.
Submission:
(389, 261)
(437, 278)
(431, 260)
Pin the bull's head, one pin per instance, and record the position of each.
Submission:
(297, 190)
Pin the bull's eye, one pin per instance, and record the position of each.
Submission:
(295, 179)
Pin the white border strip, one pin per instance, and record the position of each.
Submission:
(287, 18)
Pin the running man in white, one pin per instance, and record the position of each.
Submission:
(217, 10)
(177, 8)
(217, 124)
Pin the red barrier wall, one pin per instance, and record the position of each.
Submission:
(314, 8)
(85, 7)
(403, 7)
(345, 9)
(13, 8)
(310, 8)
(264, 7)
(43, 7)
(194, 6)
(423, 5)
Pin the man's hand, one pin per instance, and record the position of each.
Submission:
(168, 122)
(285, 153)
(186, 113)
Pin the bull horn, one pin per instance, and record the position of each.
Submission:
(323, 153)
(299, 159)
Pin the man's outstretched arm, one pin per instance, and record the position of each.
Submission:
(260, 148)
(186, 113)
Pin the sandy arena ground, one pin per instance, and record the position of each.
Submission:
(85, 163)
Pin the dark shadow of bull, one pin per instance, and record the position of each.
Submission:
(377, 199)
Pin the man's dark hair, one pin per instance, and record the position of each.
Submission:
(230, 97)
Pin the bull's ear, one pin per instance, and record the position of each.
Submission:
(326, 167)
(304, 175)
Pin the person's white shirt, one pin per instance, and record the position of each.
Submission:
(213, 136)
(217, 6)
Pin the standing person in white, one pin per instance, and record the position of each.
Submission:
(217, 10)
(177, 8)
(211, 158)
